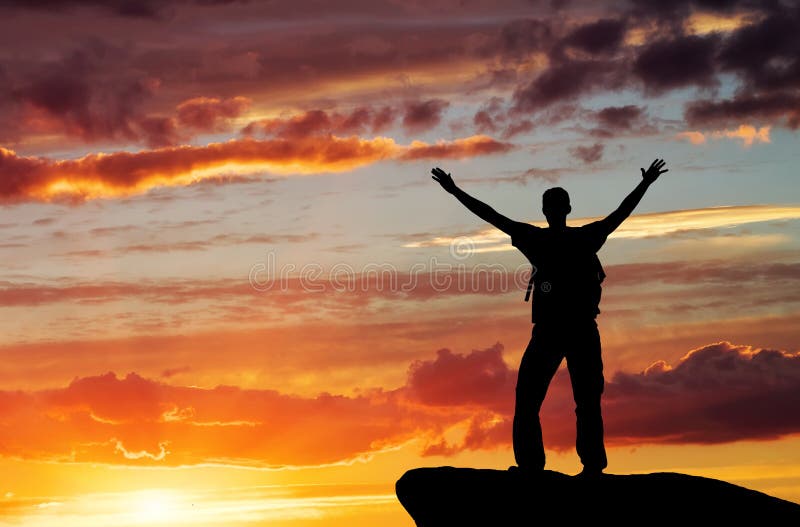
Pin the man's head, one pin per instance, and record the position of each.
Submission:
(555, 205)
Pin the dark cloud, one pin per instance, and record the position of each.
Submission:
(588, 154)
(677, 62)
(565, 81)
(484, 122)
(745, 108)
(615, 120)
(70, 103)
(299, 126)
(490, 116)
(680, 8)
(602, 36)
(521, 37)
(717, 393)
(481, 378)
(423, 115)
(767, 53)
(126, 8)
(521, 126)
(360, 120)
(124, 87)
(619, 117)
(156, 132)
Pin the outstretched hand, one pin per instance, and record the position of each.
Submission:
(652, 173)
(444, 179)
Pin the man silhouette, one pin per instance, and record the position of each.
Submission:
(565, 283)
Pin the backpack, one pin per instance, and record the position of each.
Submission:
(600, 276)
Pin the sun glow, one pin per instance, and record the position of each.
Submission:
(154, 507)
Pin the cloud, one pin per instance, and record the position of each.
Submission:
(134, 420)
(125, 173)
(519, 38)
(360, 120)
(489, 116)
(704, 22)
(365, 289)
(711, 271)
(122, 173)
(54, 93)
(210, 114)
(481, 378)
(716, 393)
(601, 36)
(745, 107)
(696, 138)
(62, 100)
(156, 132)
(124, 8)
(460, 148)
(192, 245)
(615, 119)
(564, 81)
(423, 115)
(765, 53)
(747, 133)
(677, 62)
(588, 154)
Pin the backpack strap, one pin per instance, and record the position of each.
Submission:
(530, 288)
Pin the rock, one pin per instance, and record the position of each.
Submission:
(448, 496)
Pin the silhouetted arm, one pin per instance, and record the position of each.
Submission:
(613, 220)
(479, 208)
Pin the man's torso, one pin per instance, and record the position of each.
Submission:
(566, 270)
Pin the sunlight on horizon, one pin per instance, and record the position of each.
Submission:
(166, 507)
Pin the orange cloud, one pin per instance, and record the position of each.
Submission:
(696, 138)
(717, 393)
(124, 173)
(747, 133)
(133, 420)
(701, 23)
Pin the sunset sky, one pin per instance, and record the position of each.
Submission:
(231, 294)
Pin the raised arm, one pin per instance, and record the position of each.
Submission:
(613, 220)
(479, 208)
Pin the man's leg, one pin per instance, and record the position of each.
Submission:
(539, 363)
(585, 366)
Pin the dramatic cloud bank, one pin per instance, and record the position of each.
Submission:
(717, 393)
